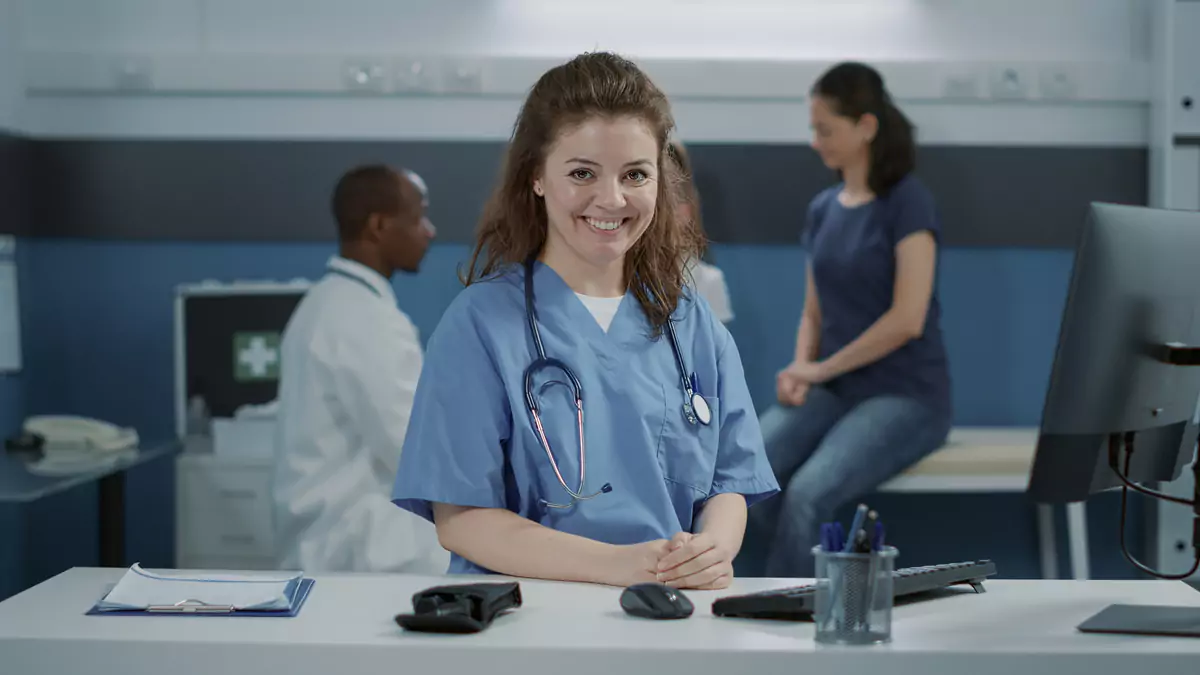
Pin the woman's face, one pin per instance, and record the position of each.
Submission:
(840, 141)
(600, 186)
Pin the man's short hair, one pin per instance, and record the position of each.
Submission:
(368, 190)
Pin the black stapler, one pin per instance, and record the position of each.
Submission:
(463, 608)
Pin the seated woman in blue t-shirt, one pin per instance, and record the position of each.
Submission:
(868, 393)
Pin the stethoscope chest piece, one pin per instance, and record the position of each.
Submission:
(699, 410)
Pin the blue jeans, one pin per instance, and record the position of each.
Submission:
(828, 452)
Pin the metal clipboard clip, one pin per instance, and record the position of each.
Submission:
(191, 607)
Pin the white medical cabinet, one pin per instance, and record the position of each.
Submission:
(226, 377)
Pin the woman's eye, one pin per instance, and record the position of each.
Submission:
(581, 174)
(638, 176)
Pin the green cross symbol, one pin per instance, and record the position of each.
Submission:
(255, 357)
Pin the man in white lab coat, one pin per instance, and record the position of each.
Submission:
(349, 366)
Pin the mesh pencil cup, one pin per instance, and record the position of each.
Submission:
(854, 596)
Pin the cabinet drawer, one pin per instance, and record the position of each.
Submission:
(225, 511)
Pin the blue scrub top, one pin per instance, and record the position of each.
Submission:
(471, 440)
(852, 251)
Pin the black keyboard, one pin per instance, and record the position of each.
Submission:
(798, 602)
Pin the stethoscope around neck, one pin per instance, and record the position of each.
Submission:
(695, 407)
(355, 278)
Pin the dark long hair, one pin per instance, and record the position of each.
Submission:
(514, 224)
(856, 89)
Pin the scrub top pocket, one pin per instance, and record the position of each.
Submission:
(687, 453)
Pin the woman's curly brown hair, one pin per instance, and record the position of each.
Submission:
(513, 226)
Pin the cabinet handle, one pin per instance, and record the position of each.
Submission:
(238, 494)
(238, 538)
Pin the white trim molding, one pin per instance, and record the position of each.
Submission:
(491, 119)
(211, 95)
(210, 74)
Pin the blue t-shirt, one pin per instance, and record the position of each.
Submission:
(852, 251)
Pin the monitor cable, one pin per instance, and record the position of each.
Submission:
(1114, 448)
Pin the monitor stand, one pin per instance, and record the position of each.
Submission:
(1158, 620)
(1161, 621)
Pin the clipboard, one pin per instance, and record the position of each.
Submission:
(192, 607)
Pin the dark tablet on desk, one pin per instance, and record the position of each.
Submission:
(1145, 620)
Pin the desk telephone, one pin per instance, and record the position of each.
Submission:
(65, 444)
(80, 434)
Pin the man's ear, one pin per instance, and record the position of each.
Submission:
(373, 227)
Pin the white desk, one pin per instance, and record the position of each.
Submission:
(346, 628)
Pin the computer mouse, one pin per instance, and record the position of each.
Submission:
(653, 600)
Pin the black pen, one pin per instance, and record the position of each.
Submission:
(863, 538)
(861, 543)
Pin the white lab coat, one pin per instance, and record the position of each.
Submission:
(709, 282)
(349, 365)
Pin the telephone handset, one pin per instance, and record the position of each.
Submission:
(70, 433)
(65, 445)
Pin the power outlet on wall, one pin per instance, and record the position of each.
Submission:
(1057, 82)
(1009, 82)
(415, 76)
(133, 74)
(462, 77)
(365, 76)
(960, 85)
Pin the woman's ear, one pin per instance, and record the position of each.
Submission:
(537, 188)
(868, 126)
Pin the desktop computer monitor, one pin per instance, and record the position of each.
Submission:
(1135, 288)
(1123, 403)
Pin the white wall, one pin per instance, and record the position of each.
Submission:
(10, 64)
(737, 71)
(1072, 30)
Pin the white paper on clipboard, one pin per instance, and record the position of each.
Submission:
(139, 588)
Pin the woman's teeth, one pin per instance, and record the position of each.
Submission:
(606, 225)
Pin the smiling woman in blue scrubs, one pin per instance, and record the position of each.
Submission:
(868, 393)
(581, 257)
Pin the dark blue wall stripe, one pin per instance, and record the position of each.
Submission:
(752, 193)
(16, 162)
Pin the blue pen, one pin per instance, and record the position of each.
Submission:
(878, 536)
(859, 515)
(826, 536)
(696, 384)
